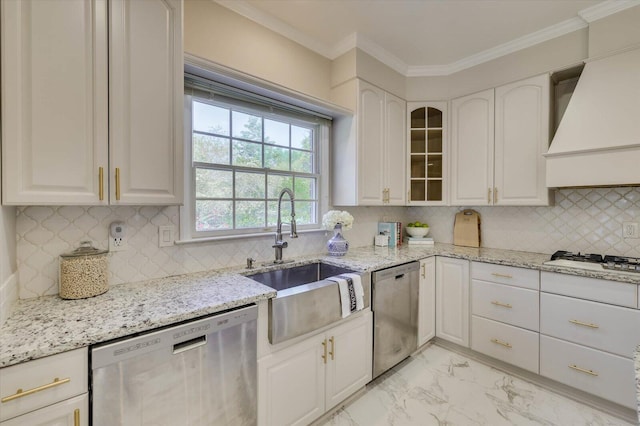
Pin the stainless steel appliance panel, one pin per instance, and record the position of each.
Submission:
(395, 314)
(196, 374)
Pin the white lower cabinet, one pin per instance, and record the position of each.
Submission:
(505, 342)
(603, 374)
(427, 301)
(72, 412)
(452, 300)
(39, 392)
(301, 382)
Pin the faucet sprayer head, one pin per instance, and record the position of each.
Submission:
(294, 228)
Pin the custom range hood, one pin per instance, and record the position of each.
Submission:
(598, 140)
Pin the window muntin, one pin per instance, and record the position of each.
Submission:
(241, 159)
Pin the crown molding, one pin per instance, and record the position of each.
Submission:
(562, 28)
(276, 25)
(359, 41)
(604, 9)
(383, 55)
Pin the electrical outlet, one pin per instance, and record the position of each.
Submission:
(166, 235)
(630, 230)
(117, 243)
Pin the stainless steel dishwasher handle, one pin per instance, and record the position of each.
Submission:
(189, 344)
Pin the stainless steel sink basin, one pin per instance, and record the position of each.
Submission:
(306, 300)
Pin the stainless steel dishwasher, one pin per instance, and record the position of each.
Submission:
(395, 315)
(199, 373)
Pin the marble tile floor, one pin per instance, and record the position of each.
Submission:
(440, 387)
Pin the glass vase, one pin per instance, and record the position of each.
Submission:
(337, 245)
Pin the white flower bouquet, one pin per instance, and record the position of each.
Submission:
(334, 217)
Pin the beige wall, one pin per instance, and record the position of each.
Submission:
(615, 32)
(224, 37)
(552, 55)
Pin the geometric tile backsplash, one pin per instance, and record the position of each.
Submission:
(587, 220)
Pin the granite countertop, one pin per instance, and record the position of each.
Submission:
(50, 325)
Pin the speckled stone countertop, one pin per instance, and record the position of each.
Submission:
(49, 325)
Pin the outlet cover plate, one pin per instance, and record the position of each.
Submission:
(117, 244)
(166, 235)
(630, 230)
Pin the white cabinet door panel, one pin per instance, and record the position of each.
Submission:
(370, 144)
(427, 302)
(54, 101)
(349, 362)
(146, 89)
(394, 166)
(522, 137)
(472, 134)
(291, 385)
(452, 300)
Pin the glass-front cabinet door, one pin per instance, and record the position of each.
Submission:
(427, 153)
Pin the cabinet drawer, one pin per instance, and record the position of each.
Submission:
(613, 292)
(62, 413)
(606, 327)
(605, 375)
(70, 368)
(518, 277)
(512, 305)
(504, 342)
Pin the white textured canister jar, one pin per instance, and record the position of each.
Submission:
(84, 272)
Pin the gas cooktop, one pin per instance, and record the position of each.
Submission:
(594, 262)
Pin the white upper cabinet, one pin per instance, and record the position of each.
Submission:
(54, 101)
(92, 102)
(146, 101)
(427, 153)
(472, 135)
(501, 165)
(369, 150)
(522, 137)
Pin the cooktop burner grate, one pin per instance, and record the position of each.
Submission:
(615, 263)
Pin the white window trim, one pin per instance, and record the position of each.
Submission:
(187, 214)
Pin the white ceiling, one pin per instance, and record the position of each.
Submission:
(424, 37)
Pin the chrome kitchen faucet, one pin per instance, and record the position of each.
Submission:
(279, 244)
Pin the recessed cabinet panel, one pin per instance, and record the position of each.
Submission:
(54, 101)
(472, 149)
(146, 88)
(427, 156)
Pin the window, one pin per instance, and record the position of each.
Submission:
(241, 156)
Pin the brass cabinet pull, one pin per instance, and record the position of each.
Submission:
(584, 324)
(324, 351)
(20, 393)
(424, 270)
(500, 342)
(489, 196)
(504, 305)
(101, 183)
(332, 352)
(495, 274)
(495, 195)
(118, 183)
(583, 370)
(76, 417)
